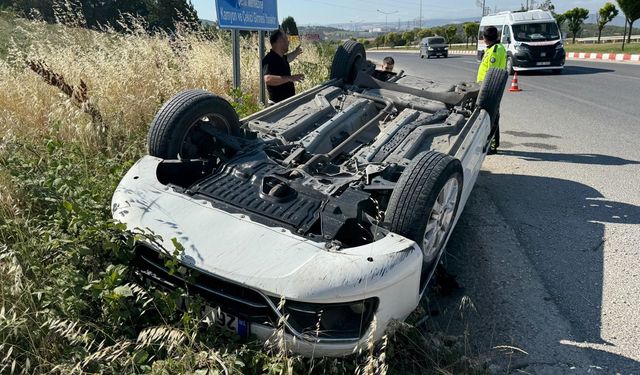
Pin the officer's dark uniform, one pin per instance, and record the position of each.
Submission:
(274, 64)
(495, 56)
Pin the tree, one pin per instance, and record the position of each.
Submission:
(289, 26)
(450, 33)
(393, 39)
(605, 15)
(560, 18)
(408, 37)
(547, 5)
(575, 18)
(471, 31)
(631, 9)
(379, 40)
(423, 33)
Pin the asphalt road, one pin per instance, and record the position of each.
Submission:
(547, 252)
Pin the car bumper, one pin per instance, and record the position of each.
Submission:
(525, 61)
(272, 263)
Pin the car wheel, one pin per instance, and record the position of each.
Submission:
(446, 56)
(491, 91)
(510, 69)
(424, 202)
(348, 61)
(186, 125)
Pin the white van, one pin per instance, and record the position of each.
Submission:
(532, 40)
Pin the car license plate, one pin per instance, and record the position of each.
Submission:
(543, 63)
(543, 54)
(227, 321)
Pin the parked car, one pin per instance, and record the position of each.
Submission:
(433, 46)
(338, 201)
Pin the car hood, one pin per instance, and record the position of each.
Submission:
(270, 259)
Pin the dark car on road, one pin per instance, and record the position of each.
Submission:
(433, 46)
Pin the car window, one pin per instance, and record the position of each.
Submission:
(436, 41)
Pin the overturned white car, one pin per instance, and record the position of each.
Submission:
(339, 200)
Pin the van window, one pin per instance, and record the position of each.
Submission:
(506, 35)
(529, 32)
(436, 41)
(481, 32)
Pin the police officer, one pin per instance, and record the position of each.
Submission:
(495, 56)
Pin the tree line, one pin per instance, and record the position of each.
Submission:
(573, 18)
(156, 14)
(451, 33)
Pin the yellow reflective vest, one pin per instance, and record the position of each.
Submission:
(494, 57)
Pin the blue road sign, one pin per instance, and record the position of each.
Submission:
(247, 14)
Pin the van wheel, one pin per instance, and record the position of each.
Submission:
(186, 125)
(510, 65)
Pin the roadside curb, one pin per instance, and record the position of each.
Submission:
(603, 56)
(570, 55)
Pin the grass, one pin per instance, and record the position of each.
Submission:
(603, 47)
(74, 113)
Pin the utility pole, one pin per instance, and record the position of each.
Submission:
(483, 8)
(386, 17)
(420, 26)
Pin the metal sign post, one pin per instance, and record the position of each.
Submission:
(250, 15)
(263, 96)
(235, 50)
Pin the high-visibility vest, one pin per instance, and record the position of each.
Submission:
(494, 57)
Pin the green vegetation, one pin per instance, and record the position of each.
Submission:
(631, 9)
(575, 18)
(602, 48)
(70, 302)
(605, 15)
(289, 26)
(99, 13)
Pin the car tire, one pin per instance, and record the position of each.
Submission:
(491, 91)
(412, 210)
(510, 69)
(348, 61)
(446, 56)
(171, 135)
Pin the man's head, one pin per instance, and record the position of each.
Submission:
(490, 35)
(279, 42)
(388, 63)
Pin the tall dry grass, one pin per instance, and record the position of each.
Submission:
(128, 77)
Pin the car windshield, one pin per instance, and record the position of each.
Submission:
(533, 32)
(436, 40)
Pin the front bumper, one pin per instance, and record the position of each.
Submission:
(538, 59)
(247, 267)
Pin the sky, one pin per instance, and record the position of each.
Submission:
(325, 12)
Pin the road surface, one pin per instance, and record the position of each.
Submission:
(547, 252)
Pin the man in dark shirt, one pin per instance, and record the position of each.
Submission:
(276, 69)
